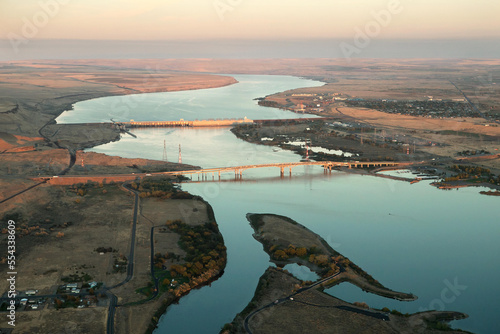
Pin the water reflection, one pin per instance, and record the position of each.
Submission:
(301, 272)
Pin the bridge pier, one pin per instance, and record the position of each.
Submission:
(282, 171)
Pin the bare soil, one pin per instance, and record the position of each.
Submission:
(33, 94)
(59, 234)
(318, 312)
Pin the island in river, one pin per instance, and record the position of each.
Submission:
(285, 304)
(81, 233)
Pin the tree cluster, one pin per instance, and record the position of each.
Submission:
(204, 247)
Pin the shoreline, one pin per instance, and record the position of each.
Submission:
(339, 267)
(73, 143)
(281, 299)
(256, 134)
(153, 92)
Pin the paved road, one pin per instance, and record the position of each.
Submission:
(377, 315)
(22, 191)
(282, 300)
(113, 304)
(130, 267)
(110, 326)
(72, 161)
(473, 106)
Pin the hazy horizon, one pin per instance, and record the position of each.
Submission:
(241, 49)
(256, 19)
(64, 29)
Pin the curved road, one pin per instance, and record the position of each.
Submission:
(72, 161)
(282, 300)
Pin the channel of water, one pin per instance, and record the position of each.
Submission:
(412, 238)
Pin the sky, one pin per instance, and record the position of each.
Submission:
(203, 21)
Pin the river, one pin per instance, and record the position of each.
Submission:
(440, 245)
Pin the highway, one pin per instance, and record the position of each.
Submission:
(238, 170)
(472, 105)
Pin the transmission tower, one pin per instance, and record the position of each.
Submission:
(165, 150)
(180, 155)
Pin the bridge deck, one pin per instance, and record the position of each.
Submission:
(238, 171)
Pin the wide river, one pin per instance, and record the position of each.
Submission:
(440, 245)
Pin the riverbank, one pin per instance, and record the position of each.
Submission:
(94, 231)
(31, 144)
(286, 241)
(315, 311)
(34, 103)
(177, 271)
(284, 304)
(335, 139)
(159, 150)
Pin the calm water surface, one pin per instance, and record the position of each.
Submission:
(412, 238)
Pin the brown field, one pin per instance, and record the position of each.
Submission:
(100, 218)
(378, 119)
(318, 312)
(47, 320)
(32, 94)
(51, 162)
(427, 129)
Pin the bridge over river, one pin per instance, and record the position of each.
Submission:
(237, 170)
(327, 166)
